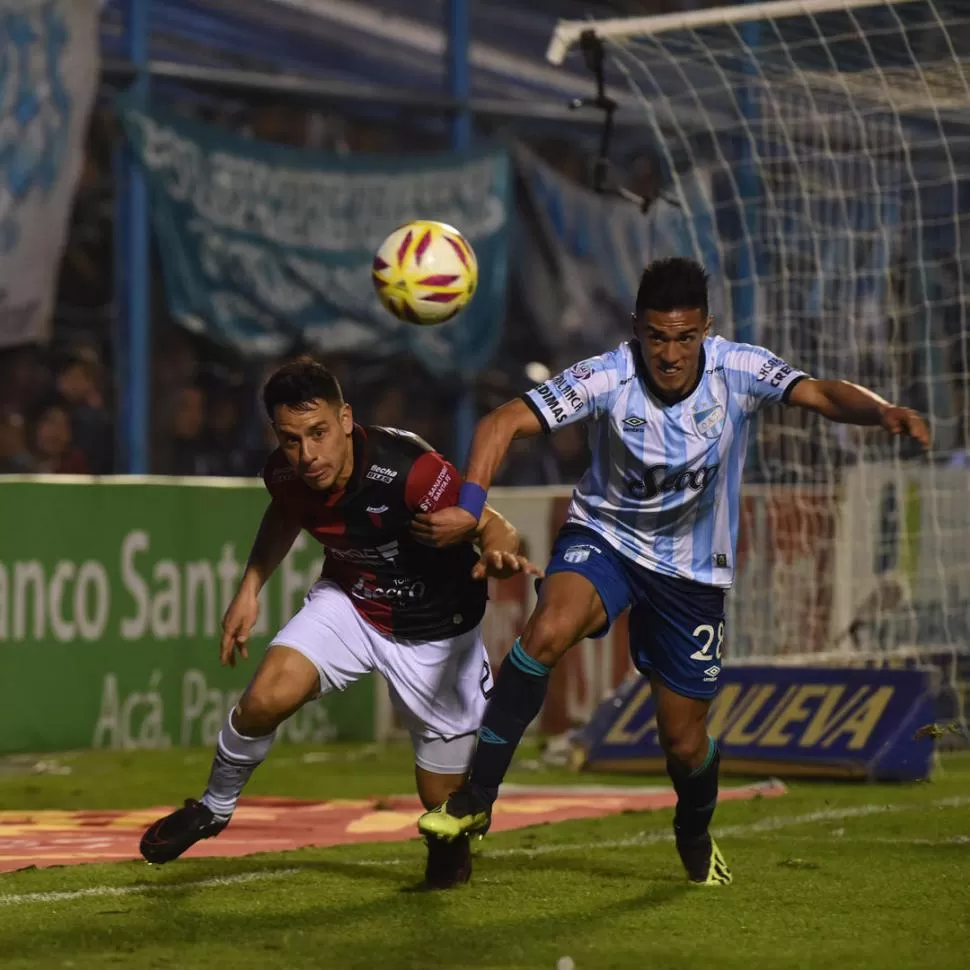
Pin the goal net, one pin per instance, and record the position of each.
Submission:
(832, 141)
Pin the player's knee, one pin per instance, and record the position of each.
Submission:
(258, 712)
(686, 744)
(266, 704)
(546, 638)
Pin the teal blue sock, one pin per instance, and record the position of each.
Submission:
(696, 792)
(516, 700)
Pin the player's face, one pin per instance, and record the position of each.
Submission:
(671, 344)
(316, 441)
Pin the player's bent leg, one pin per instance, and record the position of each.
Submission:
(569, 609)
(284, 681)
(693, 762)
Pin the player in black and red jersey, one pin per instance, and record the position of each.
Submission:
(384, 602)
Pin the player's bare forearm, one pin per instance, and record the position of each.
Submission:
(840, 401)
(499, 543)
(496, 534)
(274, 539)
(493, 436)
(849, 403)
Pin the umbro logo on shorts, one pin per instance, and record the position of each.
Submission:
(711, 673)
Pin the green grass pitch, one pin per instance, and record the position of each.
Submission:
(828, 876)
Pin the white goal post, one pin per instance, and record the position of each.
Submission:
(568, 32)
(821, 151)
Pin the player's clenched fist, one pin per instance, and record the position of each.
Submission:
(445, 527)
(237, 624)
(905, 421)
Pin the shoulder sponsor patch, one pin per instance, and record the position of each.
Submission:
(583, 370)
(776, 369)
(285, 473)
(437, 489)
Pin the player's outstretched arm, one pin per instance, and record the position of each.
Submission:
(849, 403)
(276, 535)
(499, 542)
(493, 435)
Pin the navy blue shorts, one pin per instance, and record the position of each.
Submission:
(676, 625)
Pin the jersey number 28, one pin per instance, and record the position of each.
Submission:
(705, 632)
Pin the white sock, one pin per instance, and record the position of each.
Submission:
(236, 758)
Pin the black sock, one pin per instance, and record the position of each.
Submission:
(696, 793)
(520, 689)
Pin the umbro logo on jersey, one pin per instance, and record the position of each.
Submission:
(633, 423)
(377, 509)
(380, 473)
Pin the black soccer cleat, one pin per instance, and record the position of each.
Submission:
(449, 863)
(170, 836)
(703, 861)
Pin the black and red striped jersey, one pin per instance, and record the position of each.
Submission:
(403, 588)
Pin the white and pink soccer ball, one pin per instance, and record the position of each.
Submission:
(425, 272)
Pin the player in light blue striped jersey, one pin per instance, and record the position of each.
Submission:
(653, 525)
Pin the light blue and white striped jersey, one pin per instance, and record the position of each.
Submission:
(664, 484)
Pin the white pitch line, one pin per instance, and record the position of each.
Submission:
(836, 840)
(770, 824)
(147, 887)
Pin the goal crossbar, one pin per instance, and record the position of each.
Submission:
(568, 32)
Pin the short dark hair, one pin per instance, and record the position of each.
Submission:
(300, 382)
(672, 284)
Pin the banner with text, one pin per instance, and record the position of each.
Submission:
(811, 721)
(111, 599)
(263, 244)
(580, 254)
(49, 65)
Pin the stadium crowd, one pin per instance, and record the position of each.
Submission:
(59, 405)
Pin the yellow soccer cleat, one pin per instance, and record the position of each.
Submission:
(465, 813)
(703, 861)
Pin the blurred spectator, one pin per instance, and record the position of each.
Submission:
(390, 408)
(559, 459)
(187, 423)
(14, 457)
(572, 454)
(50, 441)
(529, 462)
(223, 451)
(25, 379)
(78, 383)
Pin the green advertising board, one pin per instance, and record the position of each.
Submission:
(111, 600)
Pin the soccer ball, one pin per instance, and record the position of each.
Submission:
(425, 272)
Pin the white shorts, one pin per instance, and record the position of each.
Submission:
(438, 687)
